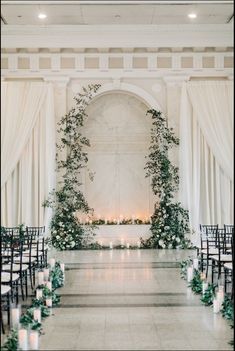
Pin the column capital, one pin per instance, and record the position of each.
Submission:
(175, 80)
(60, 81)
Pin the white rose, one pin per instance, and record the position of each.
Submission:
(72, 243)
(178, 240)
(161, 243)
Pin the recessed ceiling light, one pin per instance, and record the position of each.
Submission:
(42, 16)
(192, 15)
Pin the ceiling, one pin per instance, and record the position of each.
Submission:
(121, 14)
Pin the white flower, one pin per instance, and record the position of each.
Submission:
(57, 236)
(161, 243)
(72, 243)
(178, 240)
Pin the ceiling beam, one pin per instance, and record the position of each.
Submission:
(113, 36)
(114, 2)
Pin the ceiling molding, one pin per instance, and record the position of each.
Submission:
(114, 36)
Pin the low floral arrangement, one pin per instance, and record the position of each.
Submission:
(27, 319)
(125, 221)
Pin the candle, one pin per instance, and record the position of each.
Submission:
(202, 276)
(220, 297)
(90, 221)
(133, 219)
(40, 278)
(15, 317)
(127, 245)
(33, 340)
(118, 221)
(23, 339)
(49, 302)
(46, 272)
(48, 285)
(62, 267)
(37, 315)
(195, 263)
(150, 220)
(110, 245)
(39, 294)
(121, 218)
(216, 306)
(138, 244)
(189, 274)
(204, 287)
(52, 262)
(105, 221)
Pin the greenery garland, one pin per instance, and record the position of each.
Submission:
(169, 220)
(27, 320)
(66, 231)
(196, 282)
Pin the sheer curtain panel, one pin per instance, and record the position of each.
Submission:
(206, 152)
(28, 151)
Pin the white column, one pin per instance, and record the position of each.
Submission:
(173, 93)
(60, 100)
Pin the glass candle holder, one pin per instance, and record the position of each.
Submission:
(33, 340)
(23, 339)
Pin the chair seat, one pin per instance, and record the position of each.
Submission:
(6, 277)
(228, 265)
(33, 253)
(223, 258)
(15, 268)
(5, 289)
(25, 259)
(212, 251)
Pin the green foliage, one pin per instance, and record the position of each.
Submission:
(208, 297)
(27, 321)
(169, 220)
(11, 343)
(228, 308)
(196, 283)
(184, 266)
(68, 200)
(56, 276)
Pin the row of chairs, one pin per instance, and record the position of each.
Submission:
(23, 251)
(217, 251)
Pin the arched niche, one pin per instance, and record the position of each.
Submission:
(119, 132)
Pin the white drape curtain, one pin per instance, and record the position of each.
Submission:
(206, 152)
(27, 152)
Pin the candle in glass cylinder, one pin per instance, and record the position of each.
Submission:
(204, 287)
(127, 245)
(62, 267)
(52, 262)
(33, 340)
(49, 302)
(189, 274)
(40, 278)
(110, 245)
(37, 314)
(133, 219)
(39, 294)
(23, 339)
(46, 272)
(15, 317)
(49, 285)
(216, 306)
(138, 244)
(195, 263)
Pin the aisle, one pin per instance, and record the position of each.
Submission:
(131, 300)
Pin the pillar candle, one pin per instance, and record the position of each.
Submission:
(15, 317)
(46, 272)
(37, 315)
(195, 263)
(110, 245)
(204, 287)
(62, 267)
(220, 297)
(202, 276)
(216, 306)
(23, 339)
(127, 245)
(40, 278)
(48, 285)
(138, 244)
(33, 340)
(133, 219)
(49, 302)
(105, 221)
(52, 262)
(38, 294)
(189, 274)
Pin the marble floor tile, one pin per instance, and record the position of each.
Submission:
(115, 300)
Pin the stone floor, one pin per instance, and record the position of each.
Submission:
(130, 300)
